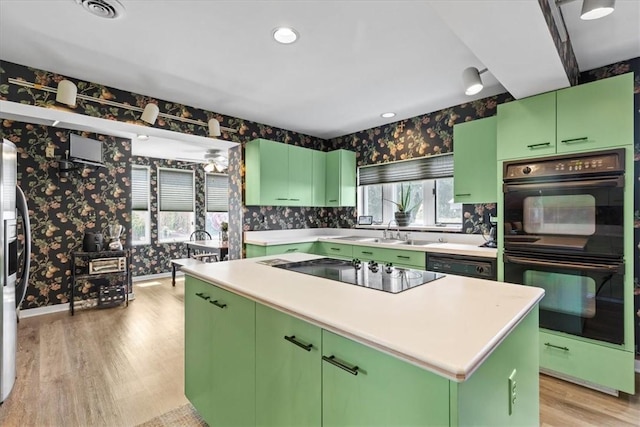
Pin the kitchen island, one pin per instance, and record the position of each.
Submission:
(266, 346)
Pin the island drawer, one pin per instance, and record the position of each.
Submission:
(599, 364)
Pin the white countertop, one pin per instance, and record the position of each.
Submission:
(447, 243)
(448, 326)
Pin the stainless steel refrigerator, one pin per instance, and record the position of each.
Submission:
(14, 262)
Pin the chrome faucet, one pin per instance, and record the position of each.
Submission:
(384, 232)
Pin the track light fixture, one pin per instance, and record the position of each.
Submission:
(472, 81)
(214, 127)
(67, 93)
(593, 9)
(150, 113)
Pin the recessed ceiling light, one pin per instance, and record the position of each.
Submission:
(387, 115)
(285, 35)
(143, 137)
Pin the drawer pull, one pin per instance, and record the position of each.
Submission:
(295, 200)
(548, 344)
(282, 198)
(292, 250)
(335, 249)
(463, 194)
(218, 304)
(541, 145)
(292, 339)
(333, 200)
(202, 295)
(353, 370)
(367, 253)
(403, 257)
(571, 141)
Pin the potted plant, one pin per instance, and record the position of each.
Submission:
(405, 210)
(224, 231)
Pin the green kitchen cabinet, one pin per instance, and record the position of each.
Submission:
(259, 250)
(596, 115)
(475, 161)
(219, 354)
(526, 127)
(340, 178)
(587, 117)
(365, 387)
(319, 178)
(300, 176)
(334, 250)
(397, 257)
(288, 370)
(277, 174)
(585, 360)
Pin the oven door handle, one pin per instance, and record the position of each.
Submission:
(607, 268)
(611, 182)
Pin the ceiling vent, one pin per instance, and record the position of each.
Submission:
(108, 9)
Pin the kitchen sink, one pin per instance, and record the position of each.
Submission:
(416, 242)
(359, 238)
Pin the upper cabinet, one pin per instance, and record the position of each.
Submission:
(277, 174)
(474, 161)
(341, 178)
(581, 118)
(596, 115)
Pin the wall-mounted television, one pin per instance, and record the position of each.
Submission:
(85, 150)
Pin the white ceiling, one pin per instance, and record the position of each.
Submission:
(354, 59)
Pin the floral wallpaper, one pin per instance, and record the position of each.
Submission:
(66, 208)
(564, 48)
(62, 209)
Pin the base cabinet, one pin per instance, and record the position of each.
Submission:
(376, 389)
(219, 354)
(253, 251)
(247, 364)
(288, 370)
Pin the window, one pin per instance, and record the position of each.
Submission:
(433, 201)
(427, 181)
(176, 205)
(140, 214)
(217, 190)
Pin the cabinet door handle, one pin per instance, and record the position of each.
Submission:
(292, 250)
(282, 198)
(542, 144)
(292, 339)
(353, 370)
(570, 141)
(218, 304)
(403, 257)
(548, 344)
(333, 200)
(463, 194)
(367, 253)
(202, 295)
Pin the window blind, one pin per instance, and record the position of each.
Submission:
(217, 193)
(176, 190)
(139, 188)
(430, 167)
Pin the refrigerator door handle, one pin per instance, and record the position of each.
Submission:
(23, 211)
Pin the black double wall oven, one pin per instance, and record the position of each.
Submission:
(563, 231)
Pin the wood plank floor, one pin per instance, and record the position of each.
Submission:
(124, 366)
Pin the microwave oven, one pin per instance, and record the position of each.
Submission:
(108, 265)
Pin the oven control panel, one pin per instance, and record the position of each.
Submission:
(576, 164)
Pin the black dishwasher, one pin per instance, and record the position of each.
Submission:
(462, 265)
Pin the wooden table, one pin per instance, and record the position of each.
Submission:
(209, 246)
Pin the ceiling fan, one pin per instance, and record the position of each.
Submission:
(215, 160)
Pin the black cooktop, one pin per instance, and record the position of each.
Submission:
(368, 274)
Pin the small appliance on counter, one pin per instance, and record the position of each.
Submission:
(92, 242)
(114, 231)
(492, 240)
